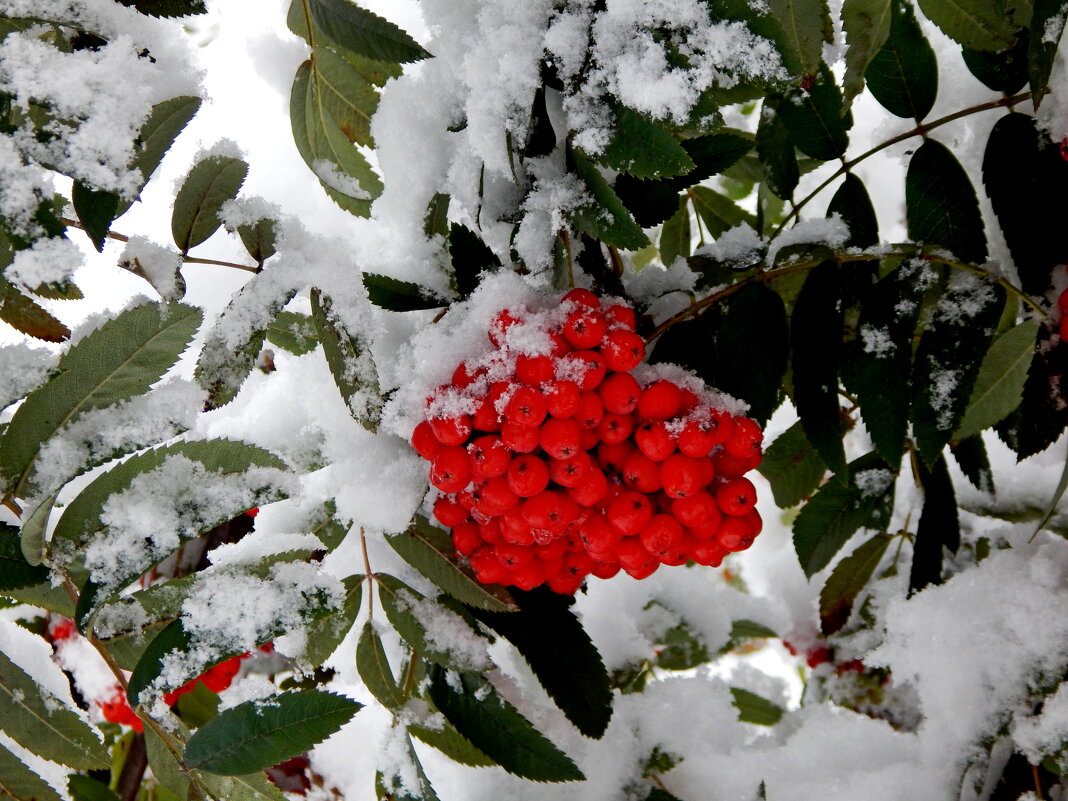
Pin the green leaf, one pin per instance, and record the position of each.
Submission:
(827, 522)
(429, 550)
(399, 296)
(750, 630)
(643, 148)
(806, 25)
(15, 570)
(880, 359)
(775, 147)
(675, 235)
(326, 634)
(978, 24)
(349, 97)
(815, 338)
(903, 75)
(606, 218)
(453, 744)
(350, 361)
(396, 785)
(1003, 71)
(753, 348)
(251, 787)
(373, 667)
(939, 526)
(364, 32)
(82, 788)
(96, 210)
(474, 707)
(867, 25)
(970, 455)
(167, 8)
(815, 118)
(718, 212)
(852, 204)
(792, 467)
(293, 332)
(753, 708)
(564, 659)
(42, 723)
(999, 385)
(172, 638)
(167, 120)
(846, 581)
(940, 204)
(470, 257)
(948, 360)
(25, 315)
(1047, 27)
(197, 706)
(1022, 170)
(19, 783)
(168, 771)
(205, 189)
(35, 529)
(119, 360)
(255, 735)
(1041, 416)
(259, 239)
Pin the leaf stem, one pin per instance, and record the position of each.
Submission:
(370, 576)
(11, 504)
(409, 673)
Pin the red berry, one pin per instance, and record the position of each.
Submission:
(500, 325)
(496, 496)
(661, 400)
(615, 428)
(630, 512)
(736, 496)
(527, 475)
(654, 440)
(526, 407)
(681, 475)
(661, 535)
(451, 430)
(560, 437)
(590, 411)
(466, 538)
(562, 398)
(620, 315)
(451, 469)
(641, 473)
(535, 370)
(598, 535)
(592, 488)
(513, 557)
(620, 393)
(614, 456)
(586, 367)
(735, 533)
(449, 513)
(572, 471)
(489, 455)
(515, 528)
(462, 377)
(697, 439)
(584, 328)
(623, 350)
(582, 297)
(696, 509)
(488, 568)
(635, 559)
(709, 553)
(521, 439)
(745, 440)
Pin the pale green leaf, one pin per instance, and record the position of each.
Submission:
(806, 25)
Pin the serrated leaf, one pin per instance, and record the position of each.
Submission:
(940, 204)
(999, 385)
(83, 788)
(561, 654)
(939, 526)
(374, 669)
(806, 25)
(293, 332)
(827, 521)
(867, 25)
(453, 744)
(396, 785)
(43, 724)
(815, 341)
(27, 316)
(259, 239)
(717, 211)
(167, 120)
(643, 148)
(172, 638)
(606, 218)
(207, 186)
(20, 783)
(775, 147)
(255, 735)
(1022, 171)
(470, 257)
(250, 787)
(167, 8)
(34, 530)
(351, 363)
(978, 24)
(364, 32)
(792, 467)
(346, 93)
(399, 296)
(1003, 71)
(326, 634)
(970, 455)
(752, 349)
(1047, 27)
(15, 570)
(429, 550)
(903, 75)
(753, 708)
(852, 203)
(494, 726)
(119, 360)
(846, 581)
(815, 118)
(96, 209)
(1041, 416)
(675, 235)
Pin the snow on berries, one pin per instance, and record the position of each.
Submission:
(558, 453)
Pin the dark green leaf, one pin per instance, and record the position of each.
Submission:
(326, 634)
(999, 385)
(753, 348)
(714, 153)
(753, 708)
(96, 210)
(259, 239)
(903, 75)
(42, 723)
(397, 784)
(162, 127)
(690, 344)
(364, 32)
(948, 359)
(656, 794)
(255, 735)
(750, 630)
(119, 360)
(15, 571)
(172, 638)
(680, 648)
(847, 580)
(496, 728)
(430, 551)
(436, 221)
(1047, 26)
(167, 8)
(541, 141)
(651, 202)
(815, 118)
(806, 25)
(1003, 71)
(852, 204)
(19, 783)
(971, 458)
(939, 526)
(208, 185)
(606, 218)
(350, 361)
(643, 148)
(778, 156)
(346, 93)
(792, 467)
(816, 341)
(1042, 414)
(373, 667)
(82, 788)
(675, 235)
(940, 204)
(561, 654)
(197, 706)
(453, 744)
(717, 211)
(827, 522)
(866, 24)
(399, 296)
(978, 24)
(1022, 172)
(470, 258)
(293, 332)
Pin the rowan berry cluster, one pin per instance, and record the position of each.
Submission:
(559, 454)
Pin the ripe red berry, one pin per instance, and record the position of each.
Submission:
(630, 512)
(527, 475)
(615, 428)
(466, 538)
(489, 455)
(697, 438)
(614, 456)
(585, 367)
(424, 442)
(635, 559)
(582, 297)
(572, 471)
(488, 568)
(661, 535)
(641, 473)
(654, 440)
(535, 370)
(449, 512)
(590, 410)
(592, 488)
(526, 407)
(496, 496)
(584, 328)
(500, 325)
(620, 315)
(562, 398)
(560, 437)
(451, 430)
(696, 509)
(681, 475)
(623, 350)
(745, 440)
(620, 393)
(521, 439)
(661, 400)
(451, 469)
(736, 496)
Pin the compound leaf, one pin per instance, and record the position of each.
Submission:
(643, 148)
(364, 32)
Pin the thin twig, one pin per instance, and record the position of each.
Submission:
(370, 576)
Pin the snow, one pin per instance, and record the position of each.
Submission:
(51, 260)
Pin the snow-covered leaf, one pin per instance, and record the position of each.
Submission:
(847, 580)
(35, 529)
(806, 25)
(1047, 27)
(350, 361)
(396, 784)
(852, 203)
(643, 148)
(209, 184)
(903, 75)
(753, 708)
(259, 239)
(293, 332)
(325, 634)
(606, 218)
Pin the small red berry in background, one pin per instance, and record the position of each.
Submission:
(582, 460)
